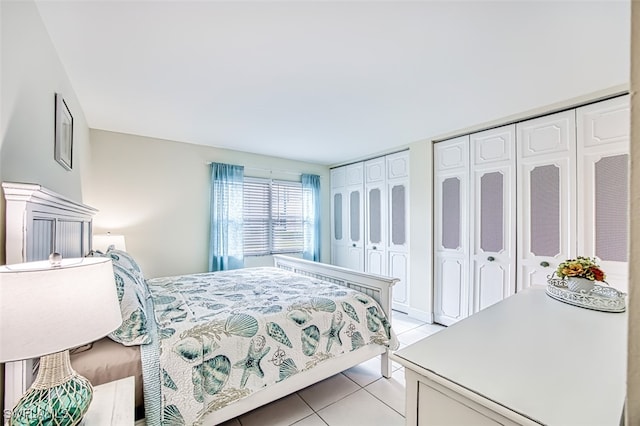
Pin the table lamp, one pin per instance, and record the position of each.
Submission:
(102, 242)
(47, 308)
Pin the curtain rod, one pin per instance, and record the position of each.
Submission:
(258, 169)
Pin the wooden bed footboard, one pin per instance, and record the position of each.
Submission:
(377, 287)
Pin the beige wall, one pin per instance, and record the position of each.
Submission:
(156, 193)
(421, 238)
(30, 75)
(633, 359)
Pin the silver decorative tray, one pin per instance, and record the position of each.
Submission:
(601, 298)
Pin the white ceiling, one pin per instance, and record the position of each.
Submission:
(328, 82)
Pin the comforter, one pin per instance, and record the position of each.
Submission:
(224, 335)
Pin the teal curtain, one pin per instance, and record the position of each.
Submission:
(311, 216)
(226, 239)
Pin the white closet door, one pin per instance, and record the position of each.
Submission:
(355, 217)
(603, 185)
(546, 199)
(339, 226)
(493, 216)
(398, 227)
(376, 216)
(451, 244)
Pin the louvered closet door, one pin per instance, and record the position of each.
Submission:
(451, 227)
(546, 199)
(398, 228)
(355, 218)
(339, 217)
(493, 216)
(376, 216)
(603, 185)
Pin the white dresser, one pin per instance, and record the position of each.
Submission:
(526, 360)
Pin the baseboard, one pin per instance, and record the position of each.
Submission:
(425, 316)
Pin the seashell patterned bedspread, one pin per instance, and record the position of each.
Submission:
(227, 334)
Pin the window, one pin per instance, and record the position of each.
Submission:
(272, 217)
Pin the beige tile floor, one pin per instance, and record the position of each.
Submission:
(358, 396)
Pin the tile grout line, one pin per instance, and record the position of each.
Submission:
(359, 387)
(373, 395)
(335, 402)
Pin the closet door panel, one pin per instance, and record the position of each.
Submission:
(547, 236)
(493, 220)
(452, 155)
(546, 198)
(397, 237)
(347, 216)
(375, 243)
(604, 124)
(355, 216)
(548, 135)
(355, 246)
(374, 170)
(397, 165)
(450, 295)
(339, 256)
(398, 230)
(375, 216)
(399, 268)
(354, 174)
(398, 201)
(339, 226)
(355, 258)
(451, 227)
(376, 262)
(492, 284)
(603, 179)
(339, 177)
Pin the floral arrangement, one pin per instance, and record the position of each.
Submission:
(582, 267)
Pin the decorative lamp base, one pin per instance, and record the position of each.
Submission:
(58, 397)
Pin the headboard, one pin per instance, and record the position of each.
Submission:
(39, 222)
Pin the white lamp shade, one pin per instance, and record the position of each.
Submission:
(46, 309)
(101, 242)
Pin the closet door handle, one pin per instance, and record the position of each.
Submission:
(374, 247)
(544, 264)
(353, 245)
(491, 258)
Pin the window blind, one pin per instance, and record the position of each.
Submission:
(257, 208)
(272, 217)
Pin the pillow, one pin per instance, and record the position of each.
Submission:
(133, 330)
(126, 261)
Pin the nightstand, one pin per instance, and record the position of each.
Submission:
(113, 404)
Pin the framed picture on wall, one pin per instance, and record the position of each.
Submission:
(64, 134)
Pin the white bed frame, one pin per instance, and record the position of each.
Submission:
(39, 221)
(375, 286)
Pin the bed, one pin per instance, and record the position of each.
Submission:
(280, 346)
